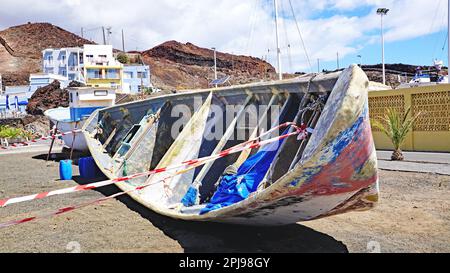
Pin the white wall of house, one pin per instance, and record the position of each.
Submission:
(39, 80)
(99, 55)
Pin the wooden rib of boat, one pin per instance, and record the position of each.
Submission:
(332, 171)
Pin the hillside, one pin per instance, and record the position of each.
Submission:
(21, 47)
(174, 65)
(183, 66)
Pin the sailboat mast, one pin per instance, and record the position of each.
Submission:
(280, 72)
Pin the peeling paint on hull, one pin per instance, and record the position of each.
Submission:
(337, 172)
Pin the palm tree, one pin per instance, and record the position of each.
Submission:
(396, 128)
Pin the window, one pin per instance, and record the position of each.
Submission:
(141, 75)
(49, 60)
(112, 74)
(89, 58)
(101, 93)
(94, 74)
(71, 97)
(128, 75)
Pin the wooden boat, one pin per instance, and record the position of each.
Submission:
(332, 171)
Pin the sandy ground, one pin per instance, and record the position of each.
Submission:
(413, 216)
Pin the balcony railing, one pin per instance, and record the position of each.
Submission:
(48, 63)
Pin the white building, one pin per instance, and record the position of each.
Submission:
(101, 69)
(66, 62)
(39, 80)
(93, 65)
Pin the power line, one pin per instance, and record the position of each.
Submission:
(300, 34)
(253, 19)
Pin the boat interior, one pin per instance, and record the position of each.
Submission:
(156, 133)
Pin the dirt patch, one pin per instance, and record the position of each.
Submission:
(412, 217)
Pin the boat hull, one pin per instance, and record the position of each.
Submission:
(337, 171)
(61, 118)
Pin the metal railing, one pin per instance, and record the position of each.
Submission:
(12, 114)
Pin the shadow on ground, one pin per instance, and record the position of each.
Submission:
(208, 237)
(63, 155)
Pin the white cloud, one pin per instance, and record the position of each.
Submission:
(328, 26)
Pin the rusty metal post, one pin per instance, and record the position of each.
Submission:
(53, 141)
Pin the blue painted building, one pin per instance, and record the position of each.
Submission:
(135, 77)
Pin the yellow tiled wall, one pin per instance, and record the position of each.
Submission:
(431, 131)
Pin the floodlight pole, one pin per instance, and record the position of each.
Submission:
(382, 12)
(280, 72)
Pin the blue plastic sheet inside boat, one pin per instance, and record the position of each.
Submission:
(235, 188)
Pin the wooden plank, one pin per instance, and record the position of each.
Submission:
(223, 141)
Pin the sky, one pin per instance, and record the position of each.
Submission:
(415, 30)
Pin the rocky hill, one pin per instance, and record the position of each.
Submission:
(181, 66)
(21, 49)
(174, 65)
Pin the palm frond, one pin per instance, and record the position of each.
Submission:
(396, 125)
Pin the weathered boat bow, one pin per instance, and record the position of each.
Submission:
(332, 171)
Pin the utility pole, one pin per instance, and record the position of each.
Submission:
(123, 42)
(104, 36)
(108, 35)
(215, 64)
(280, 72)
(382, 12)
(318, 65)
(337, 59)
(82, 33)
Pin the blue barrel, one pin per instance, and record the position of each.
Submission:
(88, 168)
(65, 169)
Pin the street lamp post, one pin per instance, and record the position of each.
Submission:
(382, 12)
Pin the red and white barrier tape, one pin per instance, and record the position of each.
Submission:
(301, 131)
(238, 148)
(44, 138)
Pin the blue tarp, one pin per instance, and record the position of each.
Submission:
(235, 188)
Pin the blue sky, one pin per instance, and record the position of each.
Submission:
(418, 51)
(414, 28)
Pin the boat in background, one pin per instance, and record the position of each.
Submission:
(83, 101)
(331, 171)
(427, 77)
